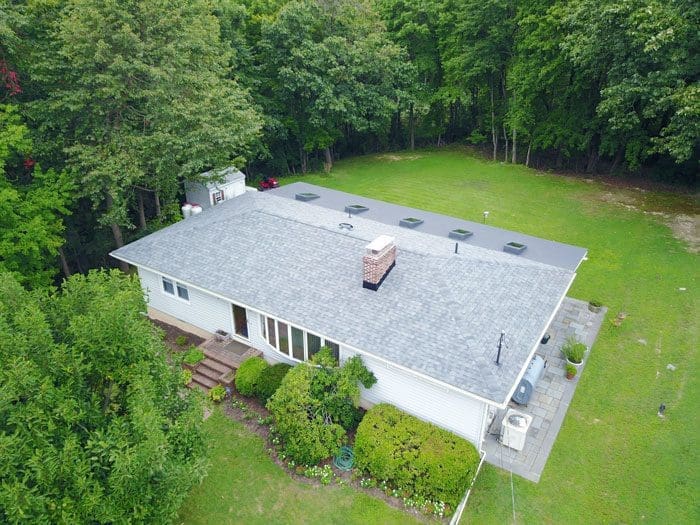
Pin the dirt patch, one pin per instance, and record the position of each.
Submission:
(172, 333)
(687, 228)
(684, 226)
(396, 158)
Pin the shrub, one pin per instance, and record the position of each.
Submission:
(248, 375)
(574, 350)
(193, 356)
(217, 393)
(311, 406)
(186, 376)
(415, 456)
(181, 340)
(595, 303)
(270, 380)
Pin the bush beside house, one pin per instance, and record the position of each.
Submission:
(315, 404)
(416, 457)
(269, 380)
(248, 375)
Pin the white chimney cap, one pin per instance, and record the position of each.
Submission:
(380, 244)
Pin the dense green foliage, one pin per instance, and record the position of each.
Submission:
(137, 97)
(269, 381)
(245, 485)
(316, 403)
(415, 456)
(94, 424)
(248, 375)
(193, 355)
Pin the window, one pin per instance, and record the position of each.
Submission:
(271, 338)
(283, 335)
(335, 349)
(313, 344)
(183, 292)
(217, 197)
(297, 343)
(263, 325)
(168, 286)
(171, 288)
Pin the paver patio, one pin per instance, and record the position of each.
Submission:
(552, 395)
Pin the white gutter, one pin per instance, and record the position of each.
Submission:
(462, 504)
(358, 350)
(537, 344)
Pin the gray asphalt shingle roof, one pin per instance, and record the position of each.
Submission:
(438, 313)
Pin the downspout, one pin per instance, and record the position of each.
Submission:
(462, 504)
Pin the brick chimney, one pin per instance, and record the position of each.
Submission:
(379, 259)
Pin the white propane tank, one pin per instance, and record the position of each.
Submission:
(186, 210)
(196, 209)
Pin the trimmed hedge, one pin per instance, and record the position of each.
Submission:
(270, 380)
(415, 456)
(248, 375)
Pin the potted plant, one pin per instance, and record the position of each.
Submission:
(595, 306)
(574, 350)
(570, 371)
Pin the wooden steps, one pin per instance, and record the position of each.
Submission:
(217, 363)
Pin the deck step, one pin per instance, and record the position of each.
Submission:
(194, 385)
(205, 371)
(204, 380)
(228, 360)
(214, 365)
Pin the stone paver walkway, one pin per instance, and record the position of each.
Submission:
(553, 393)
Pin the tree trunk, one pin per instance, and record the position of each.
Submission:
(328, 160)
(505, 137)
(411, 127)
(559, 163)
(302, 159)
(527, 157)
(117, 233)
(64, 263)
(157, 200)
(142, 212)
(513, 156)
(617, 160)
(494, 136)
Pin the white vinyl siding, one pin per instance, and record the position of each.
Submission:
(456, 412)
(202, 310)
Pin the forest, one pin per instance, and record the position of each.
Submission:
(106, 107)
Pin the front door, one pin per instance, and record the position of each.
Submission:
(240, 321)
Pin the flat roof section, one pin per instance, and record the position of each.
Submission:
(485, 236)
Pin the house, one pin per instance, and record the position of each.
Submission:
(215, 187)
(293, 269)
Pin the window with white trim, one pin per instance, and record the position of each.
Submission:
(173, 288)
(293, 341)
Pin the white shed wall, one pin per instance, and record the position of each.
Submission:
(203, 310)
(456, 412)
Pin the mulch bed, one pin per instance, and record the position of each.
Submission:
(173, 332)
(249, 419)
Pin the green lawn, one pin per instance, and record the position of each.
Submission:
(614, 459)
(245, 486)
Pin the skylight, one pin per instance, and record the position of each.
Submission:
(410, 222)
(460, 234)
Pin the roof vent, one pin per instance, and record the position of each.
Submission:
(514, 247)
(378, 261)
(355, 208)
(305, 196)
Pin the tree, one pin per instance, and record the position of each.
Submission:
(95, 425)
(138, 95)
(331, 71)
(32, 206)
(316, 403)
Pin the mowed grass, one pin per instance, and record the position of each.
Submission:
(245, 486)
(614, 461)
